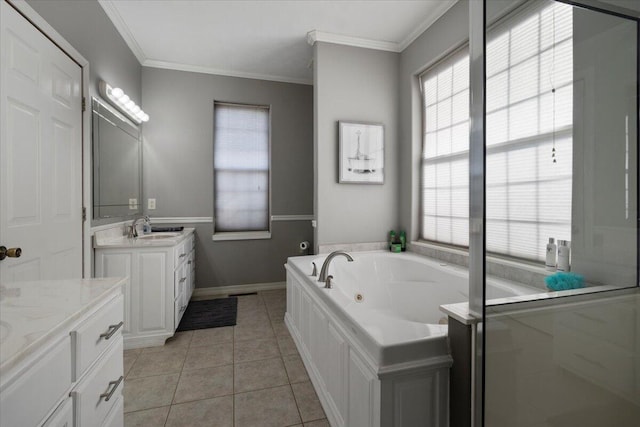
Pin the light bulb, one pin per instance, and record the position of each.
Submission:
(135, 110)
(123, 99)
(130, 105)
(116, 92)
(145, 118)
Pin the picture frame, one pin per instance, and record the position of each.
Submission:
(360, 153)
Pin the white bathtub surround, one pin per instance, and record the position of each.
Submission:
(375, 343)
(369, 359)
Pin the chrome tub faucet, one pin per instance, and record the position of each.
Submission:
(323, 277)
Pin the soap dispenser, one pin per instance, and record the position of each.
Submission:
(564, 255)
(550, 260)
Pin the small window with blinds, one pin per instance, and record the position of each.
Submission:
(241, 171)
(529, 122)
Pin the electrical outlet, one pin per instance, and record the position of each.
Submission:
(151, 204)
(133, 203)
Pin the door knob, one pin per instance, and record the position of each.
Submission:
(11, 252)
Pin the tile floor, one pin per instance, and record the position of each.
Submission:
(248, 375)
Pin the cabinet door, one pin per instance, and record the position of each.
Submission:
(98, 392)
(120, 264)
(63, 416)
(153, 284)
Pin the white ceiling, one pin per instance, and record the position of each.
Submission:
(263, 39)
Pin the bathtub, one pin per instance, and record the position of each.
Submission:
(375, 345)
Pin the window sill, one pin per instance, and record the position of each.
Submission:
(495, 260)
(242, 235)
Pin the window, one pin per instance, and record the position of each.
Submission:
(529, 125)
(241, 171)
(445, 161)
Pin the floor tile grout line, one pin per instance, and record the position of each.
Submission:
(297, 405)
(173, 398)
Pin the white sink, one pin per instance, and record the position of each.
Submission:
(159, 235)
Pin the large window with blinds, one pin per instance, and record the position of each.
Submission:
(529, 119)
(241, 171)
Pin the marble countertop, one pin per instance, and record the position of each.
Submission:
(460, 311)
(33, 312)
(113, 238)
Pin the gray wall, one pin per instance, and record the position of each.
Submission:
(178, 168)
(447, 33)
(358, 85)
(86, 26)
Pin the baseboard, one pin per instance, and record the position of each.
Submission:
(157, 340)
(221, 291)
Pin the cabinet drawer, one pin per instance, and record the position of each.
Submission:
(179, 309)
(39, 388)
(116, 416)
(63, 416)
(100, 389)
(180, 253)
(180, 280)
(95, 335)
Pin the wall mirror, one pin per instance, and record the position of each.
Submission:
(561, 140)
(117, 160)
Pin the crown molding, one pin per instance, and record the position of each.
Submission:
(153, 63)
(439, 10)
(126, 34)
(321, 36)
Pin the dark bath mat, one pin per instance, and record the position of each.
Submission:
(213, 313)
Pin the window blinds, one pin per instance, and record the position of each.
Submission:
(241, 168)
(529, 114)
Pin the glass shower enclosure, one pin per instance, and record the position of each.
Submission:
(554, 155)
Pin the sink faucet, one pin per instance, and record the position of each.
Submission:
(145, 218)
(325, 266)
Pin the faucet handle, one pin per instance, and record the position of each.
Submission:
(315, 269)
(328, 284)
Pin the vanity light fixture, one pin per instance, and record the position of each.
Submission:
(122, 102)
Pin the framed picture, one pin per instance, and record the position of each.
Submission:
(361, 153)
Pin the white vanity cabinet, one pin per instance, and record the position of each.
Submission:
(63, 367)
(160, 283)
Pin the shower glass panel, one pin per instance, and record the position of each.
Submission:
(561, 141)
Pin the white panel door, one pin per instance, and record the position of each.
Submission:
(40, 154)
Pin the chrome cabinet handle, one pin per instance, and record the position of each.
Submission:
(109, 393)
(183, 279)
(189, 262)
(112, 330)
(182, 255)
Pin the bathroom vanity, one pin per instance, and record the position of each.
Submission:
(160, 268)
(61, 353)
